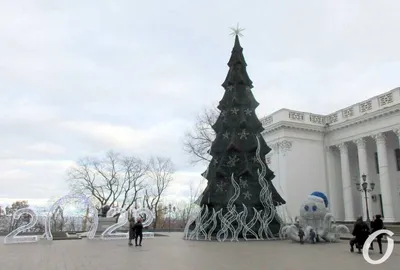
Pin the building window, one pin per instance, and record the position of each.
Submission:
(397, 155)
(376, 163)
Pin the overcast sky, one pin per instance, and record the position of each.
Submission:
(79, 78)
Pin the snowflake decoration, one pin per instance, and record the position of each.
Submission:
(243, 183)
(220, 186)
(223, 113)
(255, 159)
(247, 195)
(235, 111)
(232, 161)
(247, 112)
(226, 135)
(243, 134)
(230, 88)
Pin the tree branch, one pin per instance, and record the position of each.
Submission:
(197, 142)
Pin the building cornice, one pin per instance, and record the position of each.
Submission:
(292, 125)
(328, 128)
(339, 119)
(366, 118)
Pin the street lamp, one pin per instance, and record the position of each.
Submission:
(366, 187)
(170, 210)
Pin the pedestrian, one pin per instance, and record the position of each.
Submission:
(312, 236)
(377, 224)
(131, 230)
(361, 233)
(301, 235)
(138, 232)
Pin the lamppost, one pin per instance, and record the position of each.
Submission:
(366, 187)
(170, 210)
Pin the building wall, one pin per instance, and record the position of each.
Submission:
(299, 170)
(393, 143)
(394, 175)
(336, 195)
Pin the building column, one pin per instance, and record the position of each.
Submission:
(334, 197)
(397, 132)
(384, 178)
(346, 183)
(363, 169)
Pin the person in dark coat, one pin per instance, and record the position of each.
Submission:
(131, 230)
(138, 232)
(377, 225)
(361, 233)
(313, 236)
(301, 235)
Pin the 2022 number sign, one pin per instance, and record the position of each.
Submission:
(144, 213)
(69, 199)
(109, 233)
(13, 237)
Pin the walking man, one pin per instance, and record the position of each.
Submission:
(361, 233)
(139, 232)
(377, 225)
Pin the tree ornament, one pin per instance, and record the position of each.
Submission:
(232, 161)
(243, 134)
(235, 111)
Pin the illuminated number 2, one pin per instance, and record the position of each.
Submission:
(13, 238)
(109, 233)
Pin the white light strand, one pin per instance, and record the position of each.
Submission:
(233, 223)
(109, 233)
(13, 237)
(69, 199)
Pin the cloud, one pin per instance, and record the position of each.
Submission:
(185, 185)
(157, 140)
(47, 148)
(33, 178)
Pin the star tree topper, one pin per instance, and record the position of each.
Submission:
(237, 31)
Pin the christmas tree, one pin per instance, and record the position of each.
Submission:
(240, 199)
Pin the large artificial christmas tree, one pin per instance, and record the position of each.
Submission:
(240, 200)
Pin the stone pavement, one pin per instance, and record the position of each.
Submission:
(174, 253)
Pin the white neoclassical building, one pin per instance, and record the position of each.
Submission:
(330, 153)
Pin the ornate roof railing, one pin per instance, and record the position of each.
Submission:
(374, 104)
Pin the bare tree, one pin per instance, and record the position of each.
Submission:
(197, 142)
(70, 224)
(160, 176)
(58, 220)
(110, 179)
(185, 209)
(10, 210)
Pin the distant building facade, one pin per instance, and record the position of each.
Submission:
(330, 153)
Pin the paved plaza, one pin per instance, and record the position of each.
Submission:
(173, 253)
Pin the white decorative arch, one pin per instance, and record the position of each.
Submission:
(68, 199)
